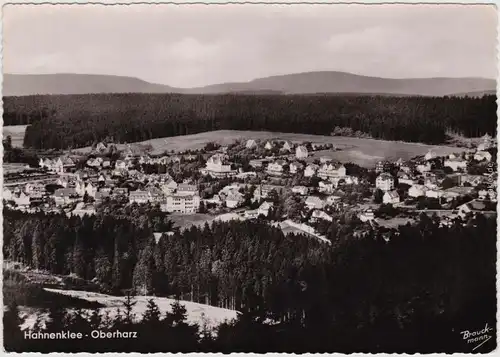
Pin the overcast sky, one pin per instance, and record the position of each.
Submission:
(195, 45)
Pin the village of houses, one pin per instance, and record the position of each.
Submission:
(245, 181)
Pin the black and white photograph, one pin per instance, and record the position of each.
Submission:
(249, 177)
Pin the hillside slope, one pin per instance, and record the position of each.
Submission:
(329, 82)
(67, 83)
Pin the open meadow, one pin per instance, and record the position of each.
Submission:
(196, 313)
(364, 152)
(16, 132)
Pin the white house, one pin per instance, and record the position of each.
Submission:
(251, 143)
(80, 187)
(344, 180)
(382, 166)
(100, 147)
(422, 168)
(485, 144)
(287, 146)
(276, 168)
(310, 170)
(331, 170)
(22, 199)
(268, 146)
(301, 152)
(332, 200)
(140, 196)
(405, 178)
(431, 183)
(367, 215)
(301, 190)
(217, 166)
(187, 189)
(181, 203)
(430, 155)
(434, 193)
(391, 197)
(324, 159)
(91, 190)
(385, 182)
(169, 187)
(295, 167)
(417, 191)
(482, 155)
(64, 196)
(455, 163)
(35, 190)
(96, 162)
(326, 187)
(264, 208)
(83, 209)
(400, 162)
(234, 200)
(120, 165)
(314, 202)
(319, 214)
(484, 194)
(7, 194)
(471, 207)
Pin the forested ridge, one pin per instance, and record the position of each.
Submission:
(72, 121)
(420, 288)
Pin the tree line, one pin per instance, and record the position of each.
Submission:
(72, 121)
(420, 285)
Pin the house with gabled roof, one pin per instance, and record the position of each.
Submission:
(311, 170)
(301, 152)
(287, 146)
(314, 202)
(391, 197)
(251, 143)
(331, 170)
(385, 182)
(276, 168)
(296, 167)
(268, 146)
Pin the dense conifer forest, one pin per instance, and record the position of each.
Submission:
(71, 121)
(413, 292)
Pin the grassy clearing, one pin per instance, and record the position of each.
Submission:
(183, 221)
(196, 312)
(31, 293)
(364, 152)
(394, 222)
(17, 134)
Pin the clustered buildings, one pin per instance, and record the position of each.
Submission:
(59, 184)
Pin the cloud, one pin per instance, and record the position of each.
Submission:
(198, 44)
(189, 49)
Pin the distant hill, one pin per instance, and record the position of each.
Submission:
(477, 94)
(67, 83)
(341, 82)
(301, 83)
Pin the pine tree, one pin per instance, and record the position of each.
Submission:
(79, 266)
(12, 334)
(178, 314)
(128, 305)
(152, 314)
(95, 320)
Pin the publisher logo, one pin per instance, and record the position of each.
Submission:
(477, 338)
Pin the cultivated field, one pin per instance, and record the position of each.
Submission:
(196, 313)
(364, 152)
(17, 134)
